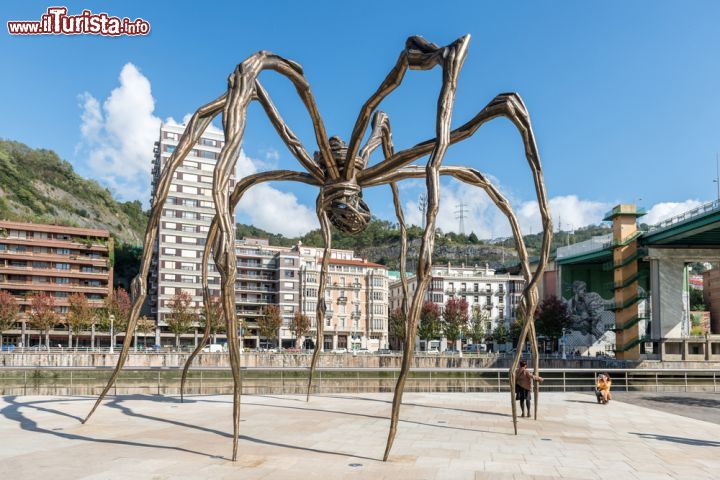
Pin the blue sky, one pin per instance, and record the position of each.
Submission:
(624, 96)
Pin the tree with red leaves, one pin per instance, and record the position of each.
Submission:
(43, 316)
(455, 316)
(8, 312)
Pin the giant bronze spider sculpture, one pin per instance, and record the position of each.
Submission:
(341, 172)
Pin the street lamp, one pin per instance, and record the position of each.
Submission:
(564, 342)
(112, 334)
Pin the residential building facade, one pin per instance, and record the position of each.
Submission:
(356, 298)
(183, 227)
(56, 260)
(494, 296)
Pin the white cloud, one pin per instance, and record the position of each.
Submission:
(486, 220)
(271, 155)
(271, 209)
(662, 211)
(482, 217)
(568, 211)
(118, 137)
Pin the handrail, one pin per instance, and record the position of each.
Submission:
(684, 216)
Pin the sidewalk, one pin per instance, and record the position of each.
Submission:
(442, 435)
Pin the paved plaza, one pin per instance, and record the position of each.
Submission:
(441, 435)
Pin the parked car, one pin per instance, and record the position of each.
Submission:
(362, 351)
(214, 348)
(339, 350)
(384, 351)
(475, 348)
(432, 351)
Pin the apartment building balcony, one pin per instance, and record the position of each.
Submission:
(500, 293)
(54, 243)
(247, 288)
(488, 306)
(53, 287)
(342, 300)
(263, 278)
(263, 266)
(51, 272)
(243, 252)
(354, 286)
(51, 257)
(257, 301)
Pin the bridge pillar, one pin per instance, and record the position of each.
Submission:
(625, 276)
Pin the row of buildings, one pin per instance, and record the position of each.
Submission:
(359, 294)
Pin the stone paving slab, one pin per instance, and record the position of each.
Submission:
(441, 436)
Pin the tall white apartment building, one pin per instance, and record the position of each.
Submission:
(184, 224)
(496, 295)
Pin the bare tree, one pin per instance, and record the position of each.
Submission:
(300, 326)
(8, 312)
(43, 316)
(80, 316)
(182, 316)
(270, 322)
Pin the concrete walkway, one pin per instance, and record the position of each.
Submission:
(442, 435)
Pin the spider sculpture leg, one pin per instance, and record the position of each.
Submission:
(321, 304)
(196, 126)
(452, 59)
(297, 149)
(529, 299)
(382, 136)
(510, 106)
(241, 91)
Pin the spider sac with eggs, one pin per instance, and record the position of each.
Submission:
(340, 199)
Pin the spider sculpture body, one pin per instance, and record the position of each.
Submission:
(341, 171)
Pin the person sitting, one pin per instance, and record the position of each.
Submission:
(523, 386)
(603, 384)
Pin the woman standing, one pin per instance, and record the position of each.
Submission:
(523, 386)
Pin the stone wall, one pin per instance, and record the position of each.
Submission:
(274, 360)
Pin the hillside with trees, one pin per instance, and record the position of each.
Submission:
(36, 185)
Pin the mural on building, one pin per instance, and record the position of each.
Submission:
(586, 311)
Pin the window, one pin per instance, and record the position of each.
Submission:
(62, 266)
(62, 280)
(288, 296)
(207, 142)
(289, 273)
(62, 251)
(289, 284)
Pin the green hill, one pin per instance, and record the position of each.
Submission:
(380, 243)
(38, 186)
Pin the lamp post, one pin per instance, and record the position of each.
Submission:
(717, 175)
(564, 342)
(112, 334)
